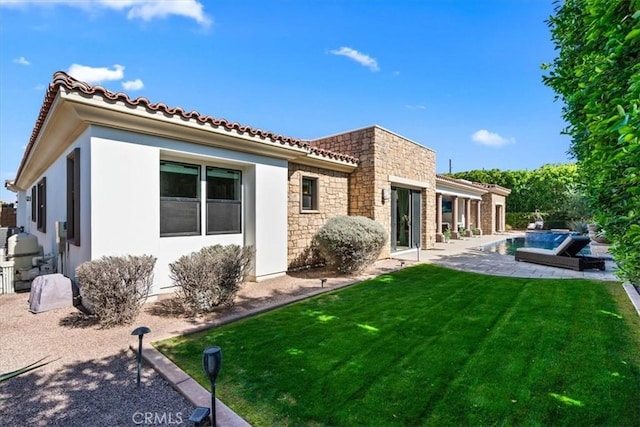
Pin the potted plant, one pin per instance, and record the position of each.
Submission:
(447, 235)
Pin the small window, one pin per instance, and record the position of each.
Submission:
(309, 194)
(179, 199)
(42, 205)
(73, 197)
(224, 201)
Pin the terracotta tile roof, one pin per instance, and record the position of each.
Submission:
(472, 184)
(493, 187)
(459, 181)
(63, 80)
(332, 154)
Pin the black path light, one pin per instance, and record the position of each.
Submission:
(140, 331)
(211, 362)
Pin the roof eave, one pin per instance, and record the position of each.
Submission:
(325, 162)
(61, 125)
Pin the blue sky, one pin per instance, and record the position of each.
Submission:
(461, 77)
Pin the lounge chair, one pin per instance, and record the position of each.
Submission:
(564, 256)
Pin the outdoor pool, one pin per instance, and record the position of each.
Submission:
(538, 239)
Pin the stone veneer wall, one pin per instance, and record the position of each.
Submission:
(7, 215)
(333, 200)
(359, 144)
(381, 154)
(488, 208)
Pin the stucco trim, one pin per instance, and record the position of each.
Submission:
(408, 182)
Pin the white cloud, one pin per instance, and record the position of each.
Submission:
(492, 139)
(40, 87)
(415, 107)
(145, 10)
(133, 85)
(93, 75)
(22, 61)
(361, 58)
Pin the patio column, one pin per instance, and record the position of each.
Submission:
(478, 219)
(439, 237)
(467, 216)
(454, 218)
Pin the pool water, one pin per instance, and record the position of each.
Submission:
(509, 246)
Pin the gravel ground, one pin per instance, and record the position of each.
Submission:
(91, 380)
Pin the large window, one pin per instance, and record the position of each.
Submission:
(181, 204)
(179, 199)
(42, 205)
(73, 197)
(224, 201)
(309, 194)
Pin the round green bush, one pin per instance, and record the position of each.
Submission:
(350, 243)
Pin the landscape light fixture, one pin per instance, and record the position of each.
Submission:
(200, 416)
(322, 282)
(140, 331)
(401, 264)
(211, 363)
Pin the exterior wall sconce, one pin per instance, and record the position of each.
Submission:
(385, 195)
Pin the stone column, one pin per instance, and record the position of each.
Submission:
(454, 218)
(439, 236)
(467, 216)
(478, 216)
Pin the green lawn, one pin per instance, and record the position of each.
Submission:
(432, 346)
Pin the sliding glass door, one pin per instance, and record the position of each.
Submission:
(405, 218)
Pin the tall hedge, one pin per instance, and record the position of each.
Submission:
(549, 188)
(597, 76)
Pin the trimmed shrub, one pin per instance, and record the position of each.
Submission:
(116, 287)
(350, 243)
(210, 277)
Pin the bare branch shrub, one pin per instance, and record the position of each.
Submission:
(349, 244)
(116, 286)
(210, 277)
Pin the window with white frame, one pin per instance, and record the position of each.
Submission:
(309, 200)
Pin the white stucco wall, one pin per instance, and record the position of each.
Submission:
(271, 188)
(21, 209)
(120, 202)
(56, 208)
(125, 201)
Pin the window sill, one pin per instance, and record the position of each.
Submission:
(309, 211)
(180, 235)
